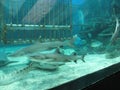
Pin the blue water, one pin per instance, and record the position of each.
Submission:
(78, 2)
(77, 16)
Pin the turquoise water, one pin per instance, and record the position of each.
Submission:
(49, 37)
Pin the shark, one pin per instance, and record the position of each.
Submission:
(55, 57)
(43, 61)
(43, 46)
(18, 75)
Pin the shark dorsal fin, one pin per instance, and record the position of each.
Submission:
(57, 51)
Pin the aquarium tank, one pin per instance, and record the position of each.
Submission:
(58, 44)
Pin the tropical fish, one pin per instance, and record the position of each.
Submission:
(43, 46)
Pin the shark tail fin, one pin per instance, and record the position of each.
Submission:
(83, 57)
(57, 50)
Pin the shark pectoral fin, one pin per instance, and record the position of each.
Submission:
(58, 50)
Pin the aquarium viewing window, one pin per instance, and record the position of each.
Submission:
(58, 44)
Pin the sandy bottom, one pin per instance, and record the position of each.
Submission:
(42, 80)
